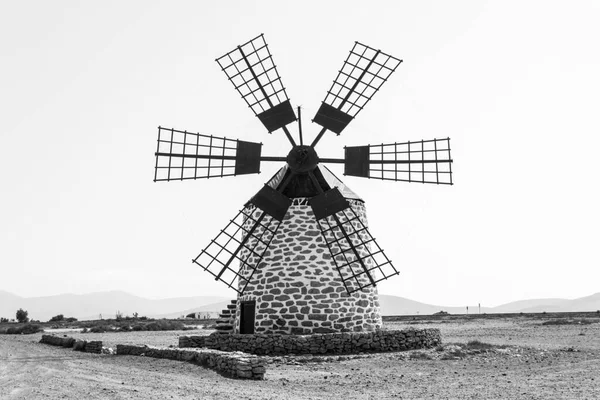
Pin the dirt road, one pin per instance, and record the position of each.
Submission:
(540, 362)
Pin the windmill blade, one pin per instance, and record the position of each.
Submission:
(357, 256)
(425, 161)
(251, 70)
(182, 155)
(361, 76)
(236, 252)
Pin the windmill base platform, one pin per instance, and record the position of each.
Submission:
(323, 344)
(297, 290)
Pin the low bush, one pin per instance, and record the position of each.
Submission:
(128, 326)
(26, 329)
(165, 325)
(477, 345)
(98, 329)
(570, 322)
(420, 355)
(57, 318)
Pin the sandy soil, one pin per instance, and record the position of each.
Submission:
(539, 362)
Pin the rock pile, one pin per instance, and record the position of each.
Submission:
(78, 345)
(88, 347)
(64, 341)
(328, 343)
(236, 364)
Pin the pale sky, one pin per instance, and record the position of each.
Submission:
(514, 84)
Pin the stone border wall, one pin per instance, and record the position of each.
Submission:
(58, 341)
(329, 343)
(236, 365)
(78, 345)
(88, 347)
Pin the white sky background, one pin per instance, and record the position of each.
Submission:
(515, 84)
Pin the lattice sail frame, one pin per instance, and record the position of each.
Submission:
(424, 161)
(362, 75)
(238, 249)
(251, 69)
(253, 73)
(182, 155)
(357, 256)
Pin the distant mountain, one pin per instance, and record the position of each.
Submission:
(394, 305)
(91, 306)
(588, 303)
(213, 309)
(522, 305)
(5, 296)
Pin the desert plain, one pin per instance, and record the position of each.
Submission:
(516, 357)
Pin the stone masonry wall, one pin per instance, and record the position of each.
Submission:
(58, 341)
(78, 345)
(296, 286)
(332, 343)
(236, 365)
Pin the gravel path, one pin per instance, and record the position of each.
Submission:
(539, 362)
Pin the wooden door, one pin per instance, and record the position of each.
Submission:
(247, 317)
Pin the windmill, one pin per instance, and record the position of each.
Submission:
(299, 253)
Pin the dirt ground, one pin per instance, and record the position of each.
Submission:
(534, 361)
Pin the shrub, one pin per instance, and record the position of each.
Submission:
(164, 325)
(420, 355)
(22, 315)
(3, 320)
(477, 345)
(26, 329)
(71, 319)
(570, 322)
(57, 318)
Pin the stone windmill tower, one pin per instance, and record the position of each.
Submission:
(299, 253)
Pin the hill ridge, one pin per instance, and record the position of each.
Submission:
(107, 304)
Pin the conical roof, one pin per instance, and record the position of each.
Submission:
(330, 179)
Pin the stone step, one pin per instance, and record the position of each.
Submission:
(224, 327)
(233, 301)
(224, 321)
(227, 311)
(226, 316)
(231, 306)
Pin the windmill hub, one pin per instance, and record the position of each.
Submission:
(302, 159)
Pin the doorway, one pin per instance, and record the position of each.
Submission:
(247, 309)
